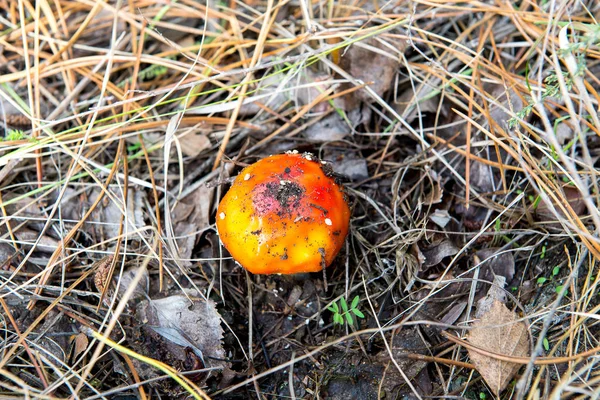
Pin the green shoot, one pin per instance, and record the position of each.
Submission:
(344, 313)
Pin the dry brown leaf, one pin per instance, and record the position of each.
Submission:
(564, 132)
(81, 343)
(45, 243)
(106, 217)
(193, 143)
(544, 212)
(405, 342)
(437, 252)
(181, 325)
(348, 164)
(440, 217)
(335, 127)
(433, 194)
(373, 63)
(102, 271)
(454, 313)
(499, 332)
(482, 177)
(125, 281)
(495, 293)
(190, 217)
(494, 262)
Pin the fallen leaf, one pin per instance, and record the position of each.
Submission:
(495, 293)
(498, 331)
(440, 217)
(106, 216)
(473, 217)
(445, 286)
(7, 255)
(126, 280)
(503, 100)
(436, 253)
(81, 343)
(348, 164)
(482, 177)
(193, 143)
(45, 244)
(373, 63)
(408, 265)
(183, 324)
(190, 216)
(405, 342)
(23, 209)
(434, 193)
(544, 212)
(334, 127)
(564, 132)
(51, 339)
(494, 262)
(454, 313)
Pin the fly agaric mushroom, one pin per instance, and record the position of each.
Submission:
(284, 214)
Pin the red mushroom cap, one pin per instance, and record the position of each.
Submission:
(284, 214)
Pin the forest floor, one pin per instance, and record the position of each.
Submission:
(466, 136)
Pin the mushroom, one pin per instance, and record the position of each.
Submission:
(284, 214)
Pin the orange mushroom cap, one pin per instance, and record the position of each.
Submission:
(284, 214)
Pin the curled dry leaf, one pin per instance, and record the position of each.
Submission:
(101, 275)
(498, 331)
(434, 193)
(440, 217)
(436, 253)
